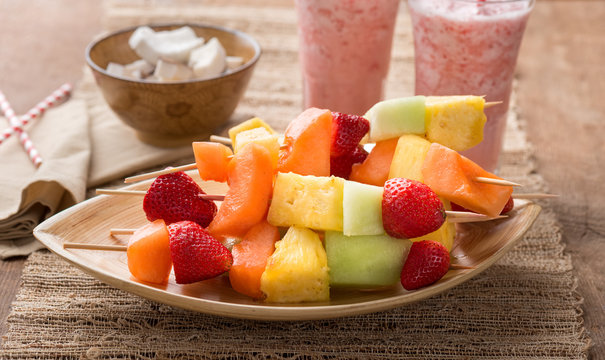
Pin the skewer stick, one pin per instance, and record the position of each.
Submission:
(121, 231)
(143, 193)
(464, 217)
(160, 172)
(220, 139)
(489, 104)
(535, 196)
(486, 180)
(69, 245)
(460, 267)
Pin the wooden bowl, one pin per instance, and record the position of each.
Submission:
(170, 114)
(477, 245)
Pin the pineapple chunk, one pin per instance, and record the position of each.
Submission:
(309, 201)
(409, 157)
(445, 234)
(298, 269)
(455, 121)
(247, 125)
(261, 136)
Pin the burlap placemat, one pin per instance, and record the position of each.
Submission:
(523, 307)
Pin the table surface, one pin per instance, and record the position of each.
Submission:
(561, 90)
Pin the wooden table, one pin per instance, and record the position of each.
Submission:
(561, 91)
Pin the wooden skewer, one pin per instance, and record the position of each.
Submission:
(468, 219)
(69, 245)
(121, 231)
(160, 172)
(534, 196)
(486, 180)
(221, 139)
(489, 104)
(143, 193)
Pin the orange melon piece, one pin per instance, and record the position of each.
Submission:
(451, 175)
(250, 259)
(250, 178)
(212, 160)
(307, 141)
(375, 169)
(149, 253)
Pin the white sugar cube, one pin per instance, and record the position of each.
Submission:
(208, 60)
(138, 69)
(167, 71)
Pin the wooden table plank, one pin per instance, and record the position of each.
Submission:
(561, 92)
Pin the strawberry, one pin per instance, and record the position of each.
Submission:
(347, 131)
(196, 255)
(176, 197)
(410, 208)
(510, 204)
(341, 165)
(427, 262)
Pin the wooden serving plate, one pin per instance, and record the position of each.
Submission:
(477, 245)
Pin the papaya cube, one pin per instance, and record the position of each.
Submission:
(212, 160)
(261, 136)
(297, 271)
(308, 201)
(374, 170)
(409, 157)
(365, 262)
(455, 121)
(247, 125)
(148, 253)
(452, 175)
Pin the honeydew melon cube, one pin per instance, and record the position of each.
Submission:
(365, 262)
(308, 201)
(455, 121)
(362, 209)
(395, 117)
(408, 157)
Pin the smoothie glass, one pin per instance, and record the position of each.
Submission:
(470, 47)
(345, 52)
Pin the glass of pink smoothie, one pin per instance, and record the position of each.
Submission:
(470, 47)
(345, 51)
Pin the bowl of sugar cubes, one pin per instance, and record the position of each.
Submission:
(173, 83)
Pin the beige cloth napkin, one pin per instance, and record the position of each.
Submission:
(84, 145)
(29, 195)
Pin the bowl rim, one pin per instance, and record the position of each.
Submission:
(247, 37)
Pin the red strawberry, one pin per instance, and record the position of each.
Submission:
(177, 197)
(510, 204)
(347, 131)
(341, 165)
(427, 262)
(196, 255)
(410, 208)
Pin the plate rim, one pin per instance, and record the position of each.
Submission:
(278, 312)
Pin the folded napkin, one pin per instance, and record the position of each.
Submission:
(83, 145)
(29, 195)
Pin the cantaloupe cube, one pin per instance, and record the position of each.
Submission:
(409, 157)
(374, 170)
(308, 201)
(455, 121)
(148, 253)
(212, 160)
(297, 271)
(247, 125)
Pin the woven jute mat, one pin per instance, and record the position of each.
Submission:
(523, 307)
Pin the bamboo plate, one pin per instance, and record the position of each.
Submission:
(478, 245)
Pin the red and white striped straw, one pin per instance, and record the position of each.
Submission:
(35, 112)
(28, 145)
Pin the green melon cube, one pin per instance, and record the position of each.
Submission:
(362, 209)
(393, 118)
(365, 262)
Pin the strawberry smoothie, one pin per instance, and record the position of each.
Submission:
(345, 51)
(468, 47)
